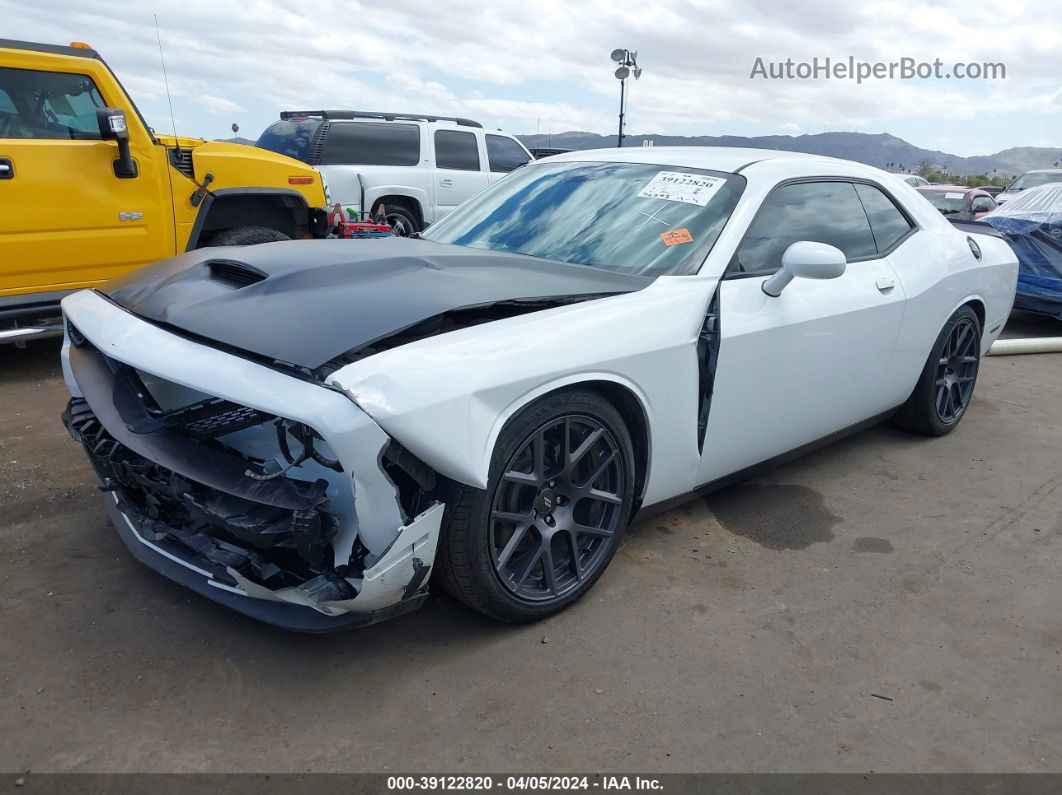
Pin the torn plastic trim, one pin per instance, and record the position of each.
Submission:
(399, 575)
(287, 616)
(405, 564)
(211, 467)
(285, 547)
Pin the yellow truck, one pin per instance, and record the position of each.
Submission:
(88, 191)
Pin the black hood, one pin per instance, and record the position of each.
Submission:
(308, 302)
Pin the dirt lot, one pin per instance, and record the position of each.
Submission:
(888, 603)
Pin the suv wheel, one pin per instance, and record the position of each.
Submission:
(401, 221)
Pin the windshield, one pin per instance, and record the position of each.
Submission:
(289, 137)
(1026, 181)
(626, 217)
(946, 201)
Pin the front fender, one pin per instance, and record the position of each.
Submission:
(239, 166)
(452, 423)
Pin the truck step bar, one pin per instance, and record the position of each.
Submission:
(21, 322)
(19, 336)
(331, 115)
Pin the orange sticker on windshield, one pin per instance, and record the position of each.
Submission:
(676, 236)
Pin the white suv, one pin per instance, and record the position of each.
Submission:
(418, 167)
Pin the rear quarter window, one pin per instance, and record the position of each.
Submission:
(370, 144)
(887, 222)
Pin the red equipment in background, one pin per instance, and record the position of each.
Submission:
(342, 226)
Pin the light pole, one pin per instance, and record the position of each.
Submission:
(628, 64)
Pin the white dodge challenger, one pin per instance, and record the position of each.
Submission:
(313, 431)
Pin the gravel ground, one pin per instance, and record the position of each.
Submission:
(889, 603)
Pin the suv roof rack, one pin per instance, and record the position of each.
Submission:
(286, 115)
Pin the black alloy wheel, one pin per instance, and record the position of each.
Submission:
(558, 497)
(957, 371)
(556, 507)
(945, 386)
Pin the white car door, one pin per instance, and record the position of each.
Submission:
(815, 360)
(459, 175)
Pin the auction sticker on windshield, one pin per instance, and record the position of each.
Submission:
(679, 186)
(676, 237)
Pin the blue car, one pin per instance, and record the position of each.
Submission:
(1032, 224)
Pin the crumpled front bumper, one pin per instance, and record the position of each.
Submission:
(375, 560)
(176, 566)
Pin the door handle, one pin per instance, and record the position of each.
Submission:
(7, 169)
(446, 182)
(884, 284)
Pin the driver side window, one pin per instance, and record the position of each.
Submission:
(823, 212)
(37, 104)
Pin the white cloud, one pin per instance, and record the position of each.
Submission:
(523, 65)
(219, 104)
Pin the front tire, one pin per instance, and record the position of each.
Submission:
(245, 236)
(558, 498)
(945, 388)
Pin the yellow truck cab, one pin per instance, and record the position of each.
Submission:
(89, 191)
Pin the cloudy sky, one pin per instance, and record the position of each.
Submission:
(530, 66)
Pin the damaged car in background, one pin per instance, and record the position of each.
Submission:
(314, 432)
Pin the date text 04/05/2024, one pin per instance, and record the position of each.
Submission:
(546, 783)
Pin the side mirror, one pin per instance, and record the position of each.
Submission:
(112, 124)
(808, 260)
(113, 127)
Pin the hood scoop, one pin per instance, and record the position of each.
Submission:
(233, 273)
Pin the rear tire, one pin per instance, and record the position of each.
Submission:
(945, 388)
(245, 236)
(401, 220)
(539, 506)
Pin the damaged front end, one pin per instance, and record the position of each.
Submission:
(309, 522)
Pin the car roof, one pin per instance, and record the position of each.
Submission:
(713, 158)
(1043, 171)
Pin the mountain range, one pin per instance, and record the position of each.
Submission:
(879, 149)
